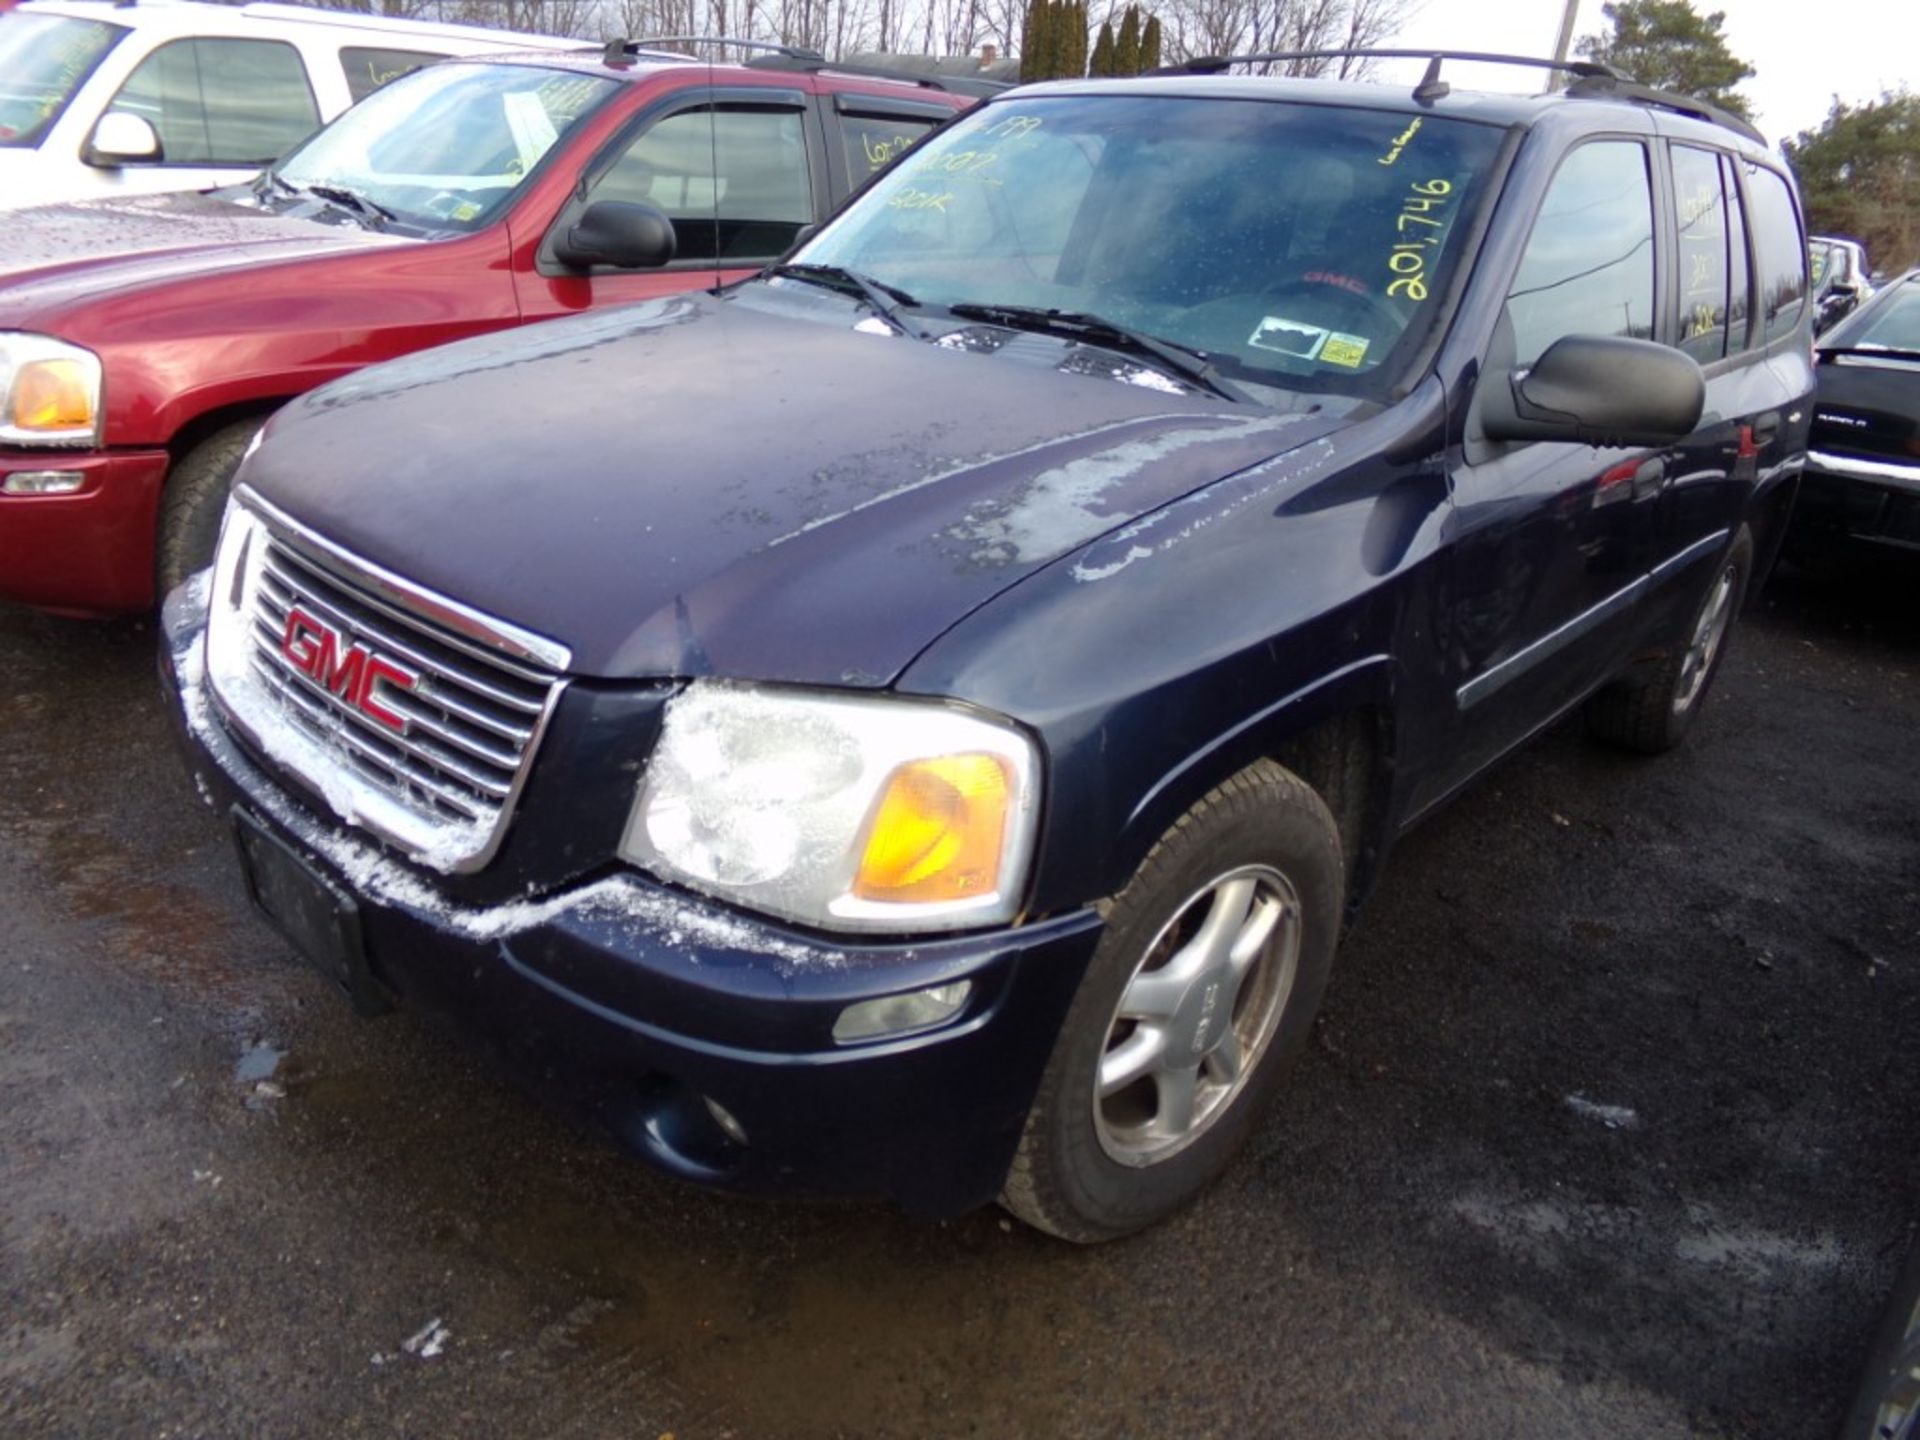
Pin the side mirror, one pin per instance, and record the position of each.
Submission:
(625, 234)
(1598, 390)
(122, 138)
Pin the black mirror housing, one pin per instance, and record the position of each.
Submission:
(1598, 390)
(622, 234)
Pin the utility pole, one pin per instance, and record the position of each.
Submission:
(1565, 44)
(1571, 14)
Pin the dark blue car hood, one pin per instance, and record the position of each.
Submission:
(698, 486)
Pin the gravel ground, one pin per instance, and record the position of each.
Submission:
(1607, 1132)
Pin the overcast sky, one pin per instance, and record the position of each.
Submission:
(1799, 48)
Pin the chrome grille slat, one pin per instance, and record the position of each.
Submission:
(396, 644)
(472, 716)
(319, 714)
(495, 785)
(327, 576)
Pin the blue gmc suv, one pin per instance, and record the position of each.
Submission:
(916, 722)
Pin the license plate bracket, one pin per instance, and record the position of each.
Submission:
(319, 919)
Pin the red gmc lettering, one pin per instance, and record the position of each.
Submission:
(314, 648)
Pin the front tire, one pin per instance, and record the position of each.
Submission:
(194, 502)
(1200, 994)
(1653, 712)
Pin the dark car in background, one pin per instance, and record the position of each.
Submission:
(914, 723)
(1842, 280)
(1861, 492)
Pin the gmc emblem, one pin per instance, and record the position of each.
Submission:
(315, 649)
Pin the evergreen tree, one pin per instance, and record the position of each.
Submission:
(1027, 41)
(1103, 51)
(1669, 44)
(1860, 176)
(1150, 44)
(1126, 49)
(1077, 66)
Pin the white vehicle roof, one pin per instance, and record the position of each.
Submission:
(175, 18)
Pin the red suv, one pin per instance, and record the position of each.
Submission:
(144, 342)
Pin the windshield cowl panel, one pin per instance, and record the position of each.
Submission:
(1294, 247)
(44, 60)
(445, 148)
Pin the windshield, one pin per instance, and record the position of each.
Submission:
(1889, 324)
(44, 59)
(445, 147)
(1297, 246)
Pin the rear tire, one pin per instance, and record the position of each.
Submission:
(1205, 983)
(1651, 713)
(194, 502)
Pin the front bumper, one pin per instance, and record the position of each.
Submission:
(89, 551)
(635, 1005)
(1847, 499)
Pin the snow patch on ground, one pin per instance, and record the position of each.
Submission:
(1614, 1117)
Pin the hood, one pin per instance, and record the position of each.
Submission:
(55, 255)
(703, 486)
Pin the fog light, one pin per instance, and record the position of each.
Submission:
(44, 482)
(723, 1117)
(902, 1014)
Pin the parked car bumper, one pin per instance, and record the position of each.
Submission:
(1847, 499)
(88, 550)
(657, 1014)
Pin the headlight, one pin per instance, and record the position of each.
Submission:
(845, 812)
(49, 392)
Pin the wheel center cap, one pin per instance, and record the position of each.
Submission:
(1202, 1017)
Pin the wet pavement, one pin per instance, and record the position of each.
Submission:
(1608, 1131)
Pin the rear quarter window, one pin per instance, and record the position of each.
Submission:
(1780, 247)
(368, 69)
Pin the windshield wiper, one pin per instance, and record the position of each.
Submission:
(370, 211)
(1183, 362)
(352, 200)
(885, 300)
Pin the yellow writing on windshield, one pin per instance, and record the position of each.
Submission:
(1400, 142)
(1422, 222)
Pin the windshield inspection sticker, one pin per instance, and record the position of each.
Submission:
(1346, 350)
(1289, 337)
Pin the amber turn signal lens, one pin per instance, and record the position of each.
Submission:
(53, 395)
(938, 832)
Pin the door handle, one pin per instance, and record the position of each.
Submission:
(1766, 428)
(1650, 478)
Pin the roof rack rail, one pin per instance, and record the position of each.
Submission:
(1592, 79)
(948, 84)
(620, 52)
(1431, 86)
(1601, 87)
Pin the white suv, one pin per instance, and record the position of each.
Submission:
(100, 99)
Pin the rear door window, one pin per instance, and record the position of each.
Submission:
(874, 142)
(223, 102)
(1588, 267)
(1700, 212)
(1782, 250)
(367, 69)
